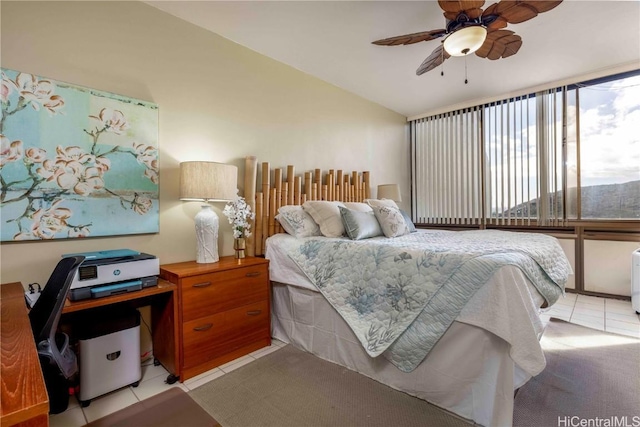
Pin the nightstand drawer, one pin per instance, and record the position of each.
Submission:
(207, 294)
(221, 333)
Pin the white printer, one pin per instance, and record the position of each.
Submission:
(105, 273)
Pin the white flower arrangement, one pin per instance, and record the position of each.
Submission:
(239, 213)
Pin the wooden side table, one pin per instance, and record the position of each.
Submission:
(224, 310)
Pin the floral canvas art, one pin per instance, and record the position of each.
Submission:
(75, 162)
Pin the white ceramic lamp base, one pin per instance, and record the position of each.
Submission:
(207, 236)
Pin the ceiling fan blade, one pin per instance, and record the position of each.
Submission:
(545, 6)
(500, 44)
(457, 6)
(453, 8)
(422, 36)
(517, 11)
(471, 13)
(499, 22)
(436, 58)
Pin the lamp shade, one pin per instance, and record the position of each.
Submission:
(389, 191)
(465, 41)
(208, 181)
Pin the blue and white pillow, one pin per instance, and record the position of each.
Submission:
(391, 221)
(410, 224)
(297, 222)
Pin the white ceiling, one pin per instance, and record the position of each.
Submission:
(331, 40)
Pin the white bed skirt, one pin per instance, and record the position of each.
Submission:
(469, 372)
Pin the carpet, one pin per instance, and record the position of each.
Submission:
(590, 375)
(171, 408)
(290, 387)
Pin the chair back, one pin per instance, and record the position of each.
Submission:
(46, 312)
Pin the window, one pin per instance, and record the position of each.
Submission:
(544, 159)
(609, 156)
(523, 155)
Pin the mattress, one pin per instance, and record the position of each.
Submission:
(473, 369)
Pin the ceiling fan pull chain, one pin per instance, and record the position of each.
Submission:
(465, 70)
(442, 64)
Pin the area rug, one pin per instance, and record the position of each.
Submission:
(171, 408)
(290, 387)
(590, 375)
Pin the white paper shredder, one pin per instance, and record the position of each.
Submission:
(109, 352)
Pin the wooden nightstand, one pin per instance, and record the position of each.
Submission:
(224, 311)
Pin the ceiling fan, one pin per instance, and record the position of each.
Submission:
(470, 29)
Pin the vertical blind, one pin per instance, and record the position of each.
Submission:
(447, 168)
(552, 154)
(511, 161)
(497, 164)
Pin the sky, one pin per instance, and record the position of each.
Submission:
(609, 139)
(610, 132)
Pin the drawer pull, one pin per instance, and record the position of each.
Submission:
(253, 274)
(254, 312)
(204, 327)
(202, 285)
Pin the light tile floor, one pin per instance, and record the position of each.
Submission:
(599, 313)
(605, 314)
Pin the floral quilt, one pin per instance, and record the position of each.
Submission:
(400, 295)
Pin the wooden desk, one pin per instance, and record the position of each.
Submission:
(164, 312)
(24, 396)
(24, 399)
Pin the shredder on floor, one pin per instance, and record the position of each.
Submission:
(109, 351)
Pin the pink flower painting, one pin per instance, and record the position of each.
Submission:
(75, 162)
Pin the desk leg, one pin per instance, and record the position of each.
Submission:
(165, 337)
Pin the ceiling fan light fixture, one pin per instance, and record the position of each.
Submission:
(465, 41)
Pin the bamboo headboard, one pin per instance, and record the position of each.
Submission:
(294, 190)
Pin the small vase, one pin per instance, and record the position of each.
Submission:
(239, 245)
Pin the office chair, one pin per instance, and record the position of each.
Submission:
(57, 359)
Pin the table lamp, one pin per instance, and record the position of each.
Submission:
(389, 191)
(208, 182)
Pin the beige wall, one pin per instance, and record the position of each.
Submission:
(218, 101)
(607, 266)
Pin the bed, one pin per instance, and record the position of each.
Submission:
(463, 337)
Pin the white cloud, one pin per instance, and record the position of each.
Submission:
(609, 136)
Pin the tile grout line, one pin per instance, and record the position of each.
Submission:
(573, 307)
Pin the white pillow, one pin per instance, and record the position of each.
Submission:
(327, 215)
(297, 222)
(391, 221)
(360, 225)
(381, 202)
(357, 206)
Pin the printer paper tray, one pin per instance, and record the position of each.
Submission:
(112, 288)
